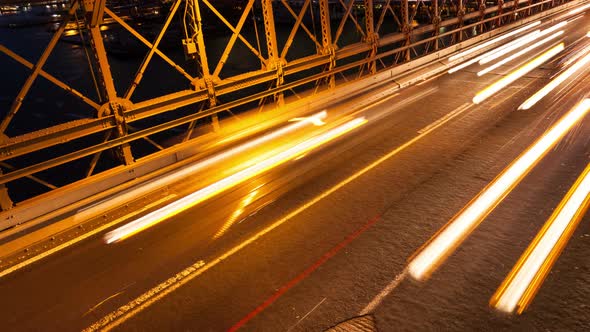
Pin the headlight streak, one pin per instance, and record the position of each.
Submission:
(521, 42)
(163, 180)
(519, 53)
(493, 41)
(532, 100)
(577, 10)
(513, 45)
(524, 280)
(236, 214)
(573, 58)
(513, 76)
(457, 229)
(489, 53)
(211, 190)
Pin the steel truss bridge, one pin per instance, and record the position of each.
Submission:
(386, 34)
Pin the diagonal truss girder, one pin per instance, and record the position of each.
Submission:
(375, 48)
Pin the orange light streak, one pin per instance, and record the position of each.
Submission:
(457, 230)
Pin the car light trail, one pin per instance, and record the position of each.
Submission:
(519, 53)
(205, 193)
(493, 41)
(236, 214)
(582, 63)
(525, 279)
(451, 236)
(491, 53)
(163, 180)
(520, 42)
(513, 76)
(513, 45)
(577, 10)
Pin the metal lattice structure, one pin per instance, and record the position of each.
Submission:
(336, 40)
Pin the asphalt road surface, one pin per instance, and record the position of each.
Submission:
(316, 240)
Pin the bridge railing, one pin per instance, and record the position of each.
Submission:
(269, 50)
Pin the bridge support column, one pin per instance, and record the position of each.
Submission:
(482, 14)
(460, 15)
(327, 47)
(5, 201)
(274, 61)
(94, 18)
(499, 13)
(406, 28)
(195, 25)
(436, 23)
(372, 37)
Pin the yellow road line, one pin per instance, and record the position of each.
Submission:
(148, 298)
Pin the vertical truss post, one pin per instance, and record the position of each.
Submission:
(274, 61)
(515, 11)
(460, 15)
(37, 69)
(482, 15)
(406, 28)
(327, 46)
(195, 26)
(114, 105)
(499, 12)
(436, 23)
(5, 201)
(372, 37)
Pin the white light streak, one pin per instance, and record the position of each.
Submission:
(513, 45)
(555, 83)
(519, 53)
(493, 41)
(186, 171)
(520, 42)
(209, 191)
(467, 220)
(577, 10)
(527, 276)
(490, 54)
(513, 76)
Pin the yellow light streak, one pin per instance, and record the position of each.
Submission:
(513, 76)
(493, 41)
(523, 282)
(236, 214)
(532, 100)
(521, 42)
(452, 235)
(193, 168)
(209, 191)
(519, 53)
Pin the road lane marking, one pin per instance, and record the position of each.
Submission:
(105, 300)
(129, 310)
(83, 237)
(201, 195)
(293, 282)
(307, 314)
(376, 301)
(459, 109)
